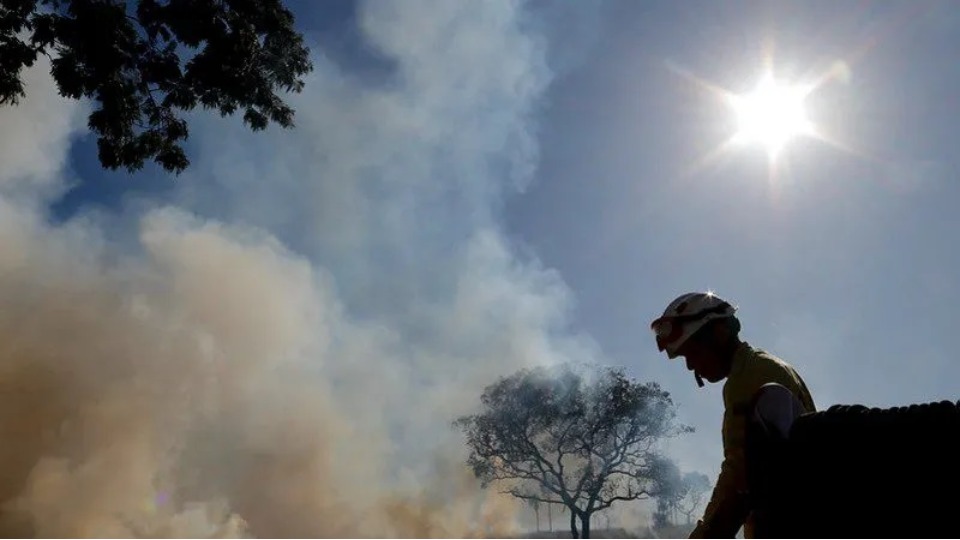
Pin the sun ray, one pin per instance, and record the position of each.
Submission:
(703, 84)
(797, 123)
(707, 159)
(839, 70)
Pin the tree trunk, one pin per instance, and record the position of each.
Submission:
(585, 525)
(550, 516)
(573, 524)
(536, 510)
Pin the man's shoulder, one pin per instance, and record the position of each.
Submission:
(767, 357)
(760, 367)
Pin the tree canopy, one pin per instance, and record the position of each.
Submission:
(584, 438)
(146, 62)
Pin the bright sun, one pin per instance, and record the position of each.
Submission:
(771, 115)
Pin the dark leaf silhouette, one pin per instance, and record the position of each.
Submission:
(144, 64)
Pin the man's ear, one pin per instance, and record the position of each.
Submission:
(720, 331)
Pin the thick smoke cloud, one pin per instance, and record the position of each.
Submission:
(282, 349)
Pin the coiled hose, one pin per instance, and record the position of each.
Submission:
(853, 471)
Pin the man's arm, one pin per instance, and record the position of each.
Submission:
(727, 510)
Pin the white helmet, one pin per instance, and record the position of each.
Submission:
(684, 316)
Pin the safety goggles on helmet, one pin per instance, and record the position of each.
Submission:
(669, 328)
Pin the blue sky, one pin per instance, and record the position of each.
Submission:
(475, 187)
(842, 266)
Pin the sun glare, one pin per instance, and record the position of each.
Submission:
(771, 115)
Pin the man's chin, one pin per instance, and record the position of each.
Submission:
(711, 380)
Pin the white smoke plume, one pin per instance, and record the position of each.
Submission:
(282, 349)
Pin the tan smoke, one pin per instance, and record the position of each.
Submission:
(178, 394)
(200, 377)
(453, 507)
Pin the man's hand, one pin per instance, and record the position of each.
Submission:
(698, 531)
